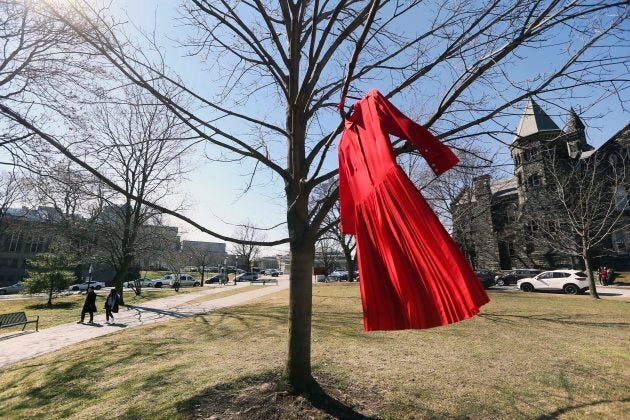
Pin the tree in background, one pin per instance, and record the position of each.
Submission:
(456, 62)
(10, 192)
(138, 144)
(49, 272)
(583, 202)
(247, 250)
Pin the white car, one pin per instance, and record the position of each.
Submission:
(169, 279)
(98, 285)
(143, 283)
(571, 282)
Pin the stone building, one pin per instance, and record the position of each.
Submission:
(497, 222)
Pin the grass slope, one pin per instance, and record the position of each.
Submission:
(524, 356)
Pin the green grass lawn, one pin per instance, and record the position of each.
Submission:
(68, 308)
(524, 356)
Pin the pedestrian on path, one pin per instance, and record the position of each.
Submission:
(111, 305)
(604, 276)
(89, 306)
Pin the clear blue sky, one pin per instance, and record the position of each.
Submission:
(213, 191)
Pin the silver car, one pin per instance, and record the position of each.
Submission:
(11, 290)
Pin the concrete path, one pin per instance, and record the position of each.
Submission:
(20, 346)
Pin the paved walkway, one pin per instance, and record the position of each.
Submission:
(19, 346)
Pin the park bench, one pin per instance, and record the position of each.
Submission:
(263, 281)
(17, 318)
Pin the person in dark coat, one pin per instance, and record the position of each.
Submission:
(89, 306)
(111, 305)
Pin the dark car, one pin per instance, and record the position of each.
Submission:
(515, 275)
(214, 279)
(486, 278)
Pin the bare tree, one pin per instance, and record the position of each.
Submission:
(247, 250)
(456, 62)
(138, 145)
(581, 203)
(201, 257)
(10, 192)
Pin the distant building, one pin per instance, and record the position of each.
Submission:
(214, 247)
(494, 222)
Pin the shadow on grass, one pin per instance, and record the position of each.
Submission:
(56, 305)
(61, 384)
(340, 323)
(557, 319)
(564, 410)
(264, 396)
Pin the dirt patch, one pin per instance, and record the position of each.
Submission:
(264, 397)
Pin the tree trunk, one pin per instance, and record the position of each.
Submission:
(50, 293)
(120, 276)
(203, 272)
(300, 313)
(591, 279)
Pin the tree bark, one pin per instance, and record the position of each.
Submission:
(589, 271)
(349, 263)
(300, 314)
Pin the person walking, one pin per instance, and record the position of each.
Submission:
(604, 276)
(89, 306)
(111, 305)
(599, 275)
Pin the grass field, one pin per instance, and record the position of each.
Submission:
(68, 308)
(524, 356)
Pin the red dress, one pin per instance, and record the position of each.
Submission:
(412, 274)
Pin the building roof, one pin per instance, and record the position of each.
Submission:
(534, 120)
(574, 123)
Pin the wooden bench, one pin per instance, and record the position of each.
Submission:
(17, 318)
(263, 281)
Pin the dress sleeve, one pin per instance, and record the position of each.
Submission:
(346, 202)
(437, 155)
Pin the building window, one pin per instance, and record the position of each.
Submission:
(530, 154)
(535, 180)
(517, 159)
(511, 249)
(621, 198)
(532, 226)
(14, 242)
(529, 247)
(552, 226)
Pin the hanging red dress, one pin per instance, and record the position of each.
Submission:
(412, 274)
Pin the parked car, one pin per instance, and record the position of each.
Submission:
(338, 275)
(571, 282)
(11, 290)
(143, 283)
(513, 276)
(274, 273)
(98, 285)
(185, 280)
(169, 279)
(486, 278)
(214, 279)
(248, 276)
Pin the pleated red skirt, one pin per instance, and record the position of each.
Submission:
(412, 273)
